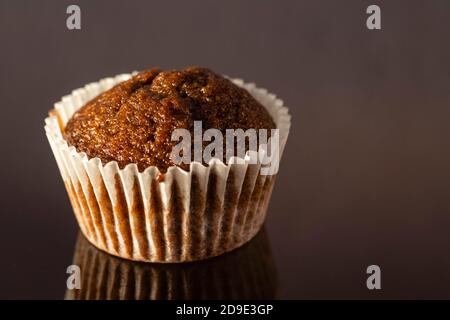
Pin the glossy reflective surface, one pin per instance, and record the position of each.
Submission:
(365, 177)
(246, 273)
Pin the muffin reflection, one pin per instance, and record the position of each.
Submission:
(245, 273)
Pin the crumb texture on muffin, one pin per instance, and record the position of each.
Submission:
(133, 122)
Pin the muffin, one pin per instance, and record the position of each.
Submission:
(246, 273)
(113, 144)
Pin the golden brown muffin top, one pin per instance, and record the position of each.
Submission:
(133, 121)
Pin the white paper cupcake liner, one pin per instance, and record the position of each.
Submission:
(188, 216)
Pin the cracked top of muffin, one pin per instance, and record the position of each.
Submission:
(133, 121)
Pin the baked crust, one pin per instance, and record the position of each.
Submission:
(133, 122)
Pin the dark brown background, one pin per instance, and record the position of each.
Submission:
(365, 178)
